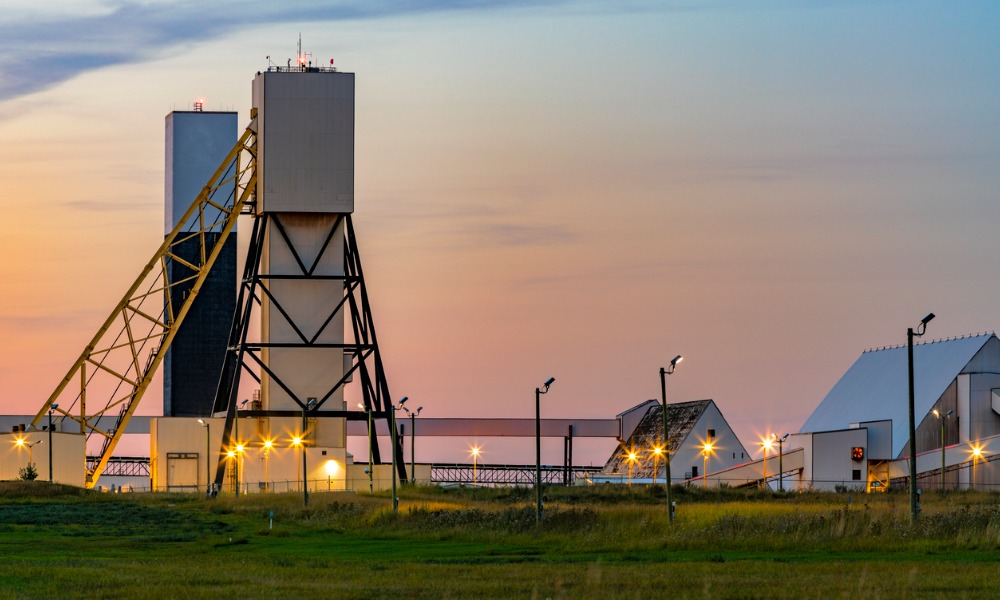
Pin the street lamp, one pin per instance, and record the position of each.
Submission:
(910, 334)
(657, 452)
(781, 467)
(413, 440)
(632, 457)
(766, 444)
(942, 418)
(371, 457)
(475, 463)
(297, 443)
(977, 452)
(268, 444)
(208, 452)
(310, 404)
(234, 465)
(236, 434)
(666, 431)
(239, 467)
(706, 449)
(392, 423)
(22, 444)
(51, 408)
(538, 447)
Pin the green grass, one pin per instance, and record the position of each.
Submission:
(599, 542)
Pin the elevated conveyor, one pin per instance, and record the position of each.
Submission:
(755, 473)
(956, 457)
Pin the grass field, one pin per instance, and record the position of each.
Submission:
(599, 542)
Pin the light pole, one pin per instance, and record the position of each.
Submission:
(766, 444)
(268, 444)
(371, 457)
(942, 418)
(976, 453)
(666, 431)
(239, 446)
(910, 334)
(632, 457)
(413, 440)
(781, 467)
(475, 464)
(657, 451)
(392, 419)
(208, 452)
(297, 443)
(51, 408)
(310, 403)
(538, 447)
(239, 468)
(21, 443)
(706, 450)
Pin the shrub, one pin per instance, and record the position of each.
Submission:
(28, 473)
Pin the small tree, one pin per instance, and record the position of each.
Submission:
(29, 473)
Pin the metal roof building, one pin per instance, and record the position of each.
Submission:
(958, 374)
(691, 425)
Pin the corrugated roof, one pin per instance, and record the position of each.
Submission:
(649, 433)
(876, 386)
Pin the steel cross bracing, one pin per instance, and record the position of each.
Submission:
(506, 475)
(124, 466)
(116, 367)
(244, 356)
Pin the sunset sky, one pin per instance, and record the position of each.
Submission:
(572, 189)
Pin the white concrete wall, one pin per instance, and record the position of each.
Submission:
(727, 449)
(182, 458)
(68, 456)
(828, 461)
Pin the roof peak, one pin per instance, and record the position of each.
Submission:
(936, 341)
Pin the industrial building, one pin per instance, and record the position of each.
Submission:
(700, 441)
(294, 288)
(956, 408)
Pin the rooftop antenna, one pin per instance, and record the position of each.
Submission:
(301, 57)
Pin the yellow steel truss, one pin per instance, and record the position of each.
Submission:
(116, 367)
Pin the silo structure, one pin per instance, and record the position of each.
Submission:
(305, 186)
(304, 285)
(196, 142)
